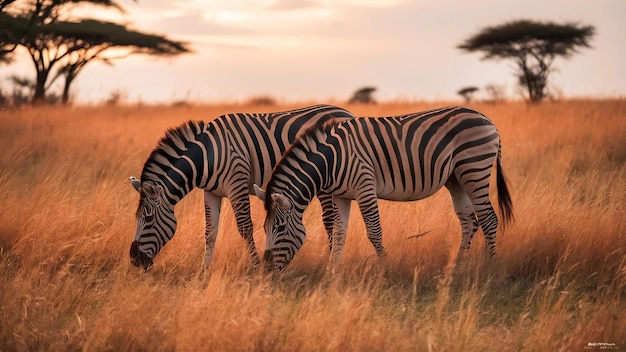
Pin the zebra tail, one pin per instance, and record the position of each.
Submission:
(504, 196)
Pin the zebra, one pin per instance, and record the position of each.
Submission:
(398, 158)
(224, 157)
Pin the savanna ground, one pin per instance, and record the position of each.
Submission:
(67, 219)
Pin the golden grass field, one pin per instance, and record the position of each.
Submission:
(67, 218)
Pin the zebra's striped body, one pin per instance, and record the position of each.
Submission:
(400, 158)
(225, 157)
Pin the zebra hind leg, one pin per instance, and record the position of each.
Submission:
(476, 186)
(489, 223)
(465, 212)
(469, 226)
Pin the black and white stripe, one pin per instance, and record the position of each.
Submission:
(400, 158)
(225, 157)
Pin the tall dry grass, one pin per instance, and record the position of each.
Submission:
(67, 218)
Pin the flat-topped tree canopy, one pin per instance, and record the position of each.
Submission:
(86, 40)
(533, 45)
(516, 37)
(90, 33)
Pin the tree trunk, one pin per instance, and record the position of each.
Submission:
(66, 89)
(66, 94)
(534, 82)
(40, 87)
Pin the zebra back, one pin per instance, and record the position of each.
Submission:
(194, 153)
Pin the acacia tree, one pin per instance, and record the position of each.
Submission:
(27, 29)
(363, 96)
(467, 93)
(88, 39)
(61, 46)
(533, 46)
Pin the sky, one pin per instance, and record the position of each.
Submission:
(319, 50)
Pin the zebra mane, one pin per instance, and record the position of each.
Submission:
(303, 141)
(173, 139)
(310, 134)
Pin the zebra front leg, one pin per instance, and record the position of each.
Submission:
(241, 208)
(340, 226)
(212, 206)
(328, 216)
(368, 204)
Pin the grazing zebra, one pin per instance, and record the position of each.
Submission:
(400, 158)
(225, 157)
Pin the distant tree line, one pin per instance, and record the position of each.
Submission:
(61, 45)
(531, 45)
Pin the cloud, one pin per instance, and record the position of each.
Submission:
(362, 3)
(294, 4)
(281, 24)
(197, 24)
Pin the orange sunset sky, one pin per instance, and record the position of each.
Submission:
(323, 50)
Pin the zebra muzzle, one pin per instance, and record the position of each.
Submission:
(139, 258)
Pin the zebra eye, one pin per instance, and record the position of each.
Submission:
(280, 223)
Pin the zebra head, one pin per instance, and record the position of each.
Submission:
(156, 223)
(284, 231)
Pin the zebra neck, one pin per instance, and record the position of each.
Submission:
(300, 198)
(176, 185)
(304, 178)
(186, 157)
(189, 169)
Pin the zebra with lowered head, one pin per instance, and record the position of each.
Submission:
(399, 158)
(224, 157)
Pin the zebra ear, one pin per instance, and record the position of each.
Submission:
(135, 183)
(282, 201)
(259, 192)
